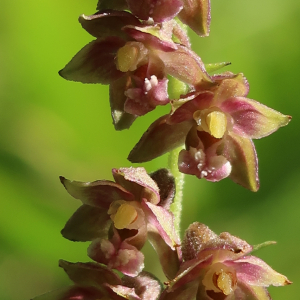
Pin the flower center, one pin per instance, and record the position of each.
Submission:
(130, 56)
(220, 278)
(212, 121)
(224, 281)
(122, 214)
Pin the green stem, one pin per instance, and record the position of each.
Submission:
(175, 89)
(176, 206)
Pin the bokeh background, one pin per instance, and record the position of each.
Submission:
(51, 127)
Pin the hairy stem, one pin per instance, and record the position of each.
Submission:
(176, 88)
(176, 206)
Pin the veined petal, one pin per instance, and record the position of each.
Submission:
(253, 271)
(137, 181)
(86, 224)
(196, 14)
(159, 139)
(169, 258)
(163, 221)
(151, 36)
(240, 151)
(198, 101)
(95, 63)
(186, 65)
(252, 118)
(159, 11)
(108, 23)
(100, 193)
(90, 274)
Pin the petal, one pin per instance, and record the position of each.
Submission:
(90, 274)
(166, 185)
(108, 23)
(186, 65)
(198, 101)
(163, 221)
(147, 286)
(213, 168)
(95, 63)
(121, 291)
(121, 256)
(137, 181)
(71, 293)
(169, 258)
(112, 4)
(152, 36)
(159, 139)
(86, 224)
(159, 11)
(251, 292)
(253, 271)
(240, 151)
(196, 14)
(121, 119)
(253, 119)
(100, 193)
(186, 292)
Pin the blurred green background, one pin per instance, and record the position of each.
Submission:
(51, 127)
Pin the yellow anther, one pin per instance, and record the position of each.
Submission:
(125, 215)
(225, 282)
(127, 58)
(217, 123)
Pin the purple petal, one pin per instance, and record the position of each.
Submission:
(95, 62)
(253, 271)
(159, 11)
(240, 151)
(86, 224)
(138, 182)
(253, 119)
(117, 255)
(89, 273)
(144, 99)
(108, 23)
(159, 139)
(152, 37)
(163, 221)
(194, 102)
(196, 14)
(100, 193)
(186, 65)
(169, 259)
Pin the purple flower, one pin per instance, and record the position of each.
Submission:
(220, 267)
(135, 59)
(217, 126)
(194, 13)
(119, 216)
(96, 282)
